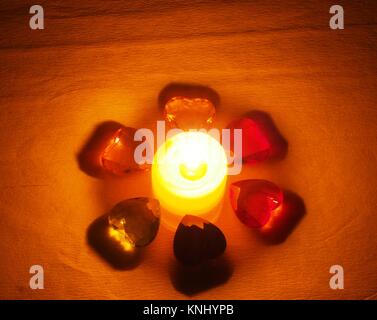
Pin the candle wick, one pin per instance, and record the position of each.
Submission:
(193, 172)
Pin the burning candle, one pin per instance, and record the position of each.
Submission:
(189, 176)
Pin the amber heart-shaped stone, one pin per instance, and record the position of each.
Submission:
(118, 156)
(189, 113)
(197, 240)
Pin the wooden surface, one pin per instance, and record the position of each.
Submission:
(109, 60)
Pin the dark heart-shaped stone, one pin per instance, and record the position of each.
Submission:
(197, 240)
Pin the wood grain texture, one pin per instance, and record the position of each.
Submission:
(108, 60)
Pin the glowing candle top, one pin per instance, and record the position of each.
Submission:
(189, 173)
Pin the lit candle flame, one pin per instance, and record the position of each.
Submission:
(189, 174)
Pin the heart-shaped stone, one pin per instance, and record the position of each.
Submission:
(189, 113)
(254, 201)
(197, 240)
(119, 155)
(136, 220)
(261, 140)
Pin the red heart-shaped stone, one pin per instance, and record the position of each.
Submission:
(254, 201)
(261, 140)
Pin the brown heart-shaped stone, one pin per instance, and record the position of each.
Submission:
(197, 240)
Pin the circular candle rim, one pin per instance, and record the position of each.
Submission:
(166, 164)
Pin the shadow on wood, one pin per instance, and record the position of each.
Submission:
(193, 280)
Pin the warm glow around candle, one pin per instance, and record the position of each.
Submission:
(189, 174)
